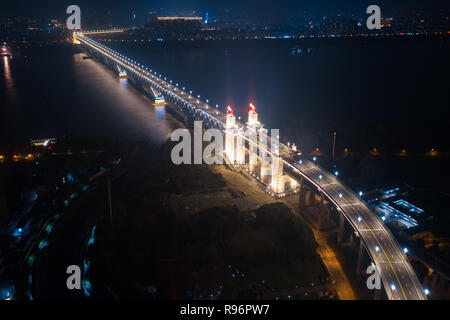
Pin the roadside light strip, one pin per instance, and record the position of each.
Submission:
(385, 254)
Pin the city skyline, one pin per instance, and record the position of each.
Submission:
(252, 10)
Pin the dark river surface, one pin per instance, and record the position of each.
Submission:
(56, 92)
(389, 95)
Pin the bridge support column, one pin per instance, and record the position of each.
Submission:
(328, 213)
(277, 184)
(265, 171)
(253, 124)
(302, 194)
(359, 264)
(301, 198)
(229, 146)
(308, 195)
(291, 182)
(240, 150)
(350, 240)
(435, 280)
(341, 228)
(322, 212)
(252, 157)
(377, 294)
(230, 138)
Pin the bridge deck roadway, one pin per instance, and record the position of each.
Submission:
(399, 279)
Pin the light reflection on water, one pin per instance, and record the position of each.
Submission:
(11, 103)
(70, 96)
(160, 112)
(9, 81)
(128, 109)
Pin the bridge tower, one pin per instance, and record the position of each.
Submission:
(254, 125)
(240, 150)
(278, 180)
(230, 136)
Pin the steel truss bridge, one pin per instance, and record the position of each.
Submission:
(399, 280)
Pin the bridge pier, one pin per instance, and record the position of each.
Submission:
(253, 124)
(438, 284)
(301, 195)
(359, 264)
(309, 197)
(341, 228)
(434, 280)
(325, 213)
(265, 171)
(351, 240)
(252, 158)
(230, 137)
(377, 294)
(304, 197)
(277, 184)
(240, 150)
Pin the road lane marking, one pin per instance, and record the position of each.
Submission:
(379, 244)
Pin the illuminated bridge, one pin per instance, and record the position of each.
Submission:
(398, 277)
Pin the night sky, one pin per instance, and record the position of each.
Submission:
(251, 9)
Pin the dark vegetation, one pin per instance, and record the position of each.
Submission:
(148, 245)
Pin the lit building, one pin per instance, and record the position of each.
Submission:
(253, 125)
(195, 19)
(395, 205)
(173, 27)
(150, 16)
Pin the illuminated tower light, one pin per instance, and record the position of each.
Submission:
(252, 116)
(230, 135)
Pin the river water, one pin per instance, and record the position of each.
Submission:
(389, 95)
(385, 94)
(55, 93)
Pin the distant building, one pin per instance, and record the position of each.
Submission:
(150, 16)
(396, 205)
(18, 26)
(173, 27)
(178, 19)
